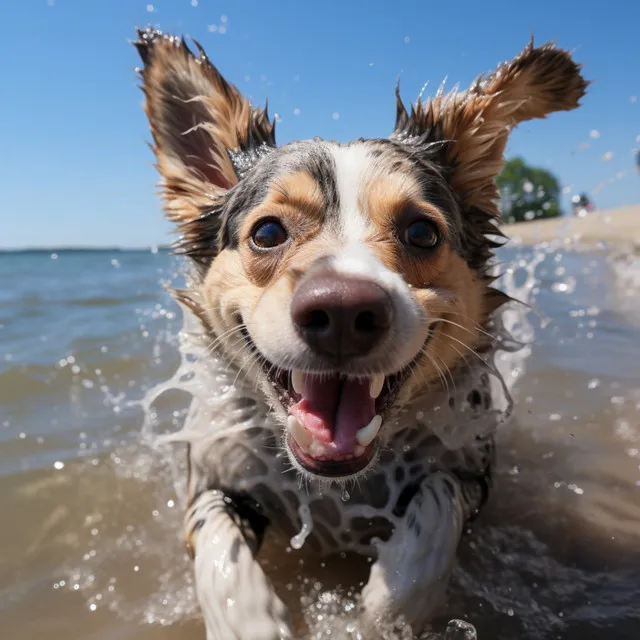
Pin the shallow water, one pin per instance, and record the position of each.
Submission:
(93, 545)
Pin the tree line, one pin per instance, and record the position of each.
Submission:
(527, 193)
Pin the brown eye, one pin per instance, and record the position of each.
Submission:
(422, 234)
(268, 235)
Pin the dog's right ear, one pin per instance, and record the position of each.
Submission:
(196, 119)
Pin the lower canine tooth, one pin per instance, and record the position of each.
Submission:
(297, 381)
(299, 433)
(376, 384)
(367, 434)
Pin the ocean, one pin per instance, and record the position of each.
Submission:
(91, 545)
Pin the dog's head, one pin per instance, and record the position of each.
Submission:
(342, 278)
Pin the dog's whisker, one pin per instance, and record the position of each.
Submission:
(477, 326)
(445, 384)
(226, 335)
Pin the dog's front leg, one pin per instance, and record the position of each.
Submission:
(411, 573)
(237, 599)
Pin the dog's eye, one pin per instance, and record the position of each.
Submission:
(268, 234)
(422, 234)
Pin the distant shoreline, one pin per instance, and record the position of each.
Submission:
(617, 229)
(154, 249)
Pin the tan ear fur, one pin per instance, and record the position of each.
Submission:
(477, 122)
(196, 116)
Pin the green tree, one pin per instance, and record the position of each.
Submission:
(527, 193)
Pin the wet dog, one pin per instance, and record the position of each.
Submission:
(343, 292)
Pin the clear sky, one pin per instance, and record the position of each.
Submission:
(75, 166)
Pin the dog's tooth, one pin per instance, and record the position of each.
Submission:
(376, 384)
(367, 434)
(297, 381)
(358, 450)
(299, 433)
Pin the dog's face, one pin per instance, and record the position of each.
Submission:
(343, 279)
(342, 266)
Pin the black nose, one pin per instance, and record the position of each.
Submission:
(339, 316)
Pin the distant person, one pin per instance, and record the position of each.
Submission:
(581, 205)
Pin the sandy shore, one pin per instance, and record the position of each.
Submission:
(618, 228)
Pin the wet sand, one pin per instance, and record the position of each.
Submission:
(617, 229)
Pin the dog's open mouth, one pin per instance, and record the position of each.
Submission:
(333, 419)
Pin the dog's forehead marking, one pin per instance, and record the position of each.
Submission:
(354, 168)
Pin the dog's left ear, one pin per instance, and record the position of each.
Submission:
(197, 119)
(473, 126)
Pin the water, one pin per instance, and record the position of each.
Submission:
(92, 499)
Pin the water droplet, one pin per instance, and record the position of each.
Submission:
(150, 8)
(566, 286)
(345, 496)
(58, 465)
(607, 156)
(307, 524)
(335, 116)
(594, 383)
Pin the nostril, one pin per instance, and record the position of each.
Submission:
(318, 320)
(315, 320)
(366, 322)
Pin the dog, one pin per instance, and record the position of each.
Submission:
(343, 295)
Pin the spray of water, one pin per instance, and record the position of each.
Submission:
(195, 395)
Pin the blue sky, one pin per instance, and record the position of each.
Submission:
(75, 166)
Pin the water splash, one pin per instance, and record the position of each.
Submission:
(460, 630)
(148, 545)
(306, 527)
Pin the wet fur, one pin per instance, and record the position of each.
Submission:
(343, 206)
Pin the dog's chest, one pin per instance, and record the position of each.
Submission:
(337, 518)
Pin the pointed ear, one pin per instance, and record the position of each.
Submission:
(197, 118)
(475, 124)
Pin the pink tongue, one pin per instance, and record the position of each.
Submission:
(334, 410)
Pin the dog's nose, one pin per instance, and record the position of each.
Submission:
(339, 316)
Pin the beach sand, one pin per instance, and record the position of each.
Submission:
(617, 229)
